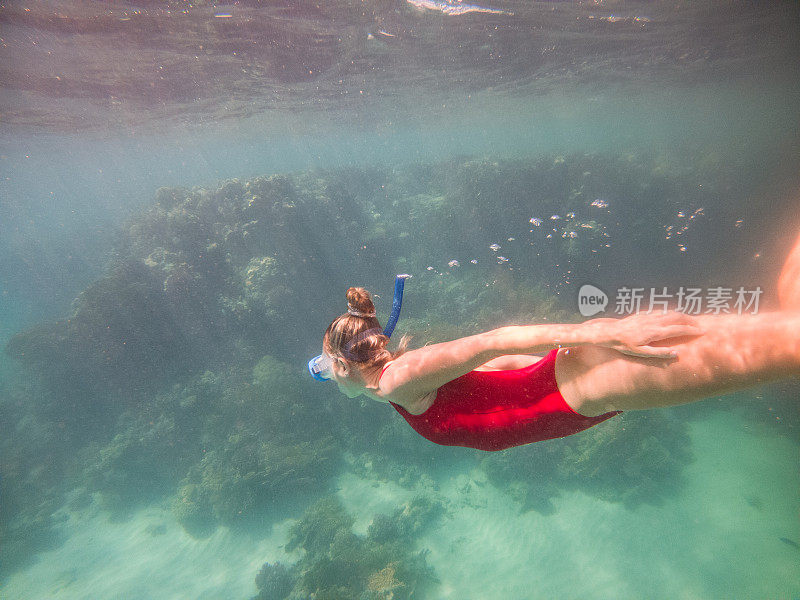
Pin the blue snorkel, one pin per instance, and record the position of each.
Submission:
(318, 365)
(397, 304)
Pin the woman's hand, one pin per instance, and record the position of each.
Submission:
(634, 335)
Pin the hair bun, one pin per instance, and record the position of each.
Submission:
(359, 300)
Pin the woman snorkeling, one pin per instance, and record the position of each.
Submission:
(492, 390)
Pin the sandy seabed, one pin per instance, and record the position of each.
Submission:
(720, 538)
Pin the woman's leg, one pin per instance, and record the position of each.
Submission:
(735, 352)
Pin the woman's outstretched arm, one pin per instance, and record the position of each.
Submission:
(419, 372)
(736, 352)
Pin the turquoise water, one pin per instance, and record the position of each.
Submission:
(169, 261)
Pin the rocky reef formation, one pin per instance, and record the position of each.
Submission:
(341, 565)
(180, 372)
(207, 273)
(632, 458)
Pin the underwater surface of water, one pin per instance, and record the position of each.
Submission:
(187, 190)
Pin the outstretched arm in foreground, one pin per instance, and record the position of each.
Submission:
(735, 352)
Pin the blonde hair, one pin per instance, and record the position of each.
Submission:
(358, 337)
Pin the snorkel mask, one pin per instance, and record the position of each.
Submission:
(320, 366)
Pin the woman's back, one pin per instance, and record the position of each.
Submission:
(495, 410)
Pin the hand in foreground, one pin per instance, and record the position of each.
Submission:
(634, 335)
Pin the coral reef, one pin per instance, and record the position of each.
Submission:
(179, 372)
(275, 581)
(261, 449)
(138, 464)
(632, 458)
(340, 565)
(33, 458)
(206, 273)
(636, 459)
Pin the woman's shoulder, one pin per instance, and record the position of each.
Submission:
(390, 386)
(383, 370)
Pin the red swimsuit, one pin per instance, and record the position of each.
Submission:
(495, 410)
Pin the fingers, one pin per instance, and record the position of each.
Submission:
(679, 317)
(660, 352)
(652, 352)
(671, 331)
(672, 316)
(636, 337)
